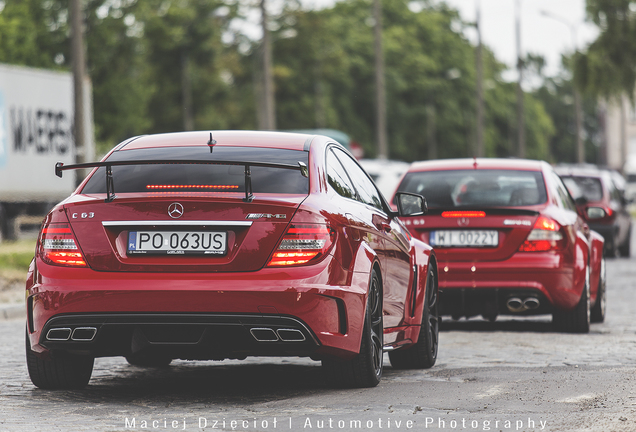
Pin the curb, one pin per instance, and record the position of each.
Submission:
(12, 311)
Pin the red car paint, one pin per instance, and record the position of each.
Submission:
(480, 280)
(171, 305)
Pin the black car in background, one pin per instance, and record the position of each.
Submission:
(602, 203)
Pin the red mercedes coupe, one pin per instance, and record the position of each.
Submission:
(509, 241)
(208, 246)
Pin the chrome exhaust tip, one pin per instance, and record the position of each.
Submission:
(59, 334)
(290, 335)
(264, 334)
(531, 303)
(515, 304)
(84, 334)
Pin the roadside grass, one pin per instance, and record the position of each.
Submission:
(15, 257)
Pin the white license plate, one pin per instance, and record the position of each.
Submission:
(464, 238)
(177, 242)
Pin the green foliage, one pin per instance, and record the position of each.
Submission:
(146, 58)
(16, 255)
(33, 33)
(608, 68)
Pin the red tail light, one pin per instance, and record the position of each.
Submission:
(58, 246)
(302, 244)
(546, 235)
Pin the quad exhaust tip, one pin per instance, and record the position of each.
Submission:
(59, 334)
(84, 334)
(515, 304)
(290, 335)
(79, 334)
(265, 334)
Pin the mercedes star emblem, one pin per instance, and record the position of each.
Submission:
(175, 210)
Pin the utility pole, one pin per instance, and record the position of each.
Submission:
(480, 151)
(521, 133)
(269, 109)
(79, 72)
(578, 105)
(380, 89)
(186, 91)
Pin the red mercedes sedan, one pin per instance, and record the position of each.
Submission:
(509, 241)
(208, 246)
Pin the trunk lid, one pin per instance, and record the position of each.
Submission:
(476, 228)
(213, 234)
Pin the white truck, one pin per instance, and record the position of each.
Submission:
(36, 131)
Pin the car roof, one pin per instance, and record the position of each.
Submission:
(283, 140)
(478, 163)
(580, 171)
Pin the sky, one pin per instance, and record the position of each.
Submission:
(543, 35)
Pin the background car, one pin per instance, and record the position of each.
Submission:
(508, 240)
(603, 205)
(225, 245)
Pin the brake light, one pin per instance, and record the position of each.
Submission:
(57, 246)
(463, 214)
(302, 244)
(545, 236)
(212, 187)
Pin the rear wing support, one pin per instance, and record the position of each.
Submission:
(110, 182)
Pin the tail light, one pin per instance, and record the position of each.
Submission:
(302, 244)
(58, 246)
(545, 236)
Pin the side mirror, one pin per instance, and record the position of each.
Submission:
(595, 213)
(410, 204)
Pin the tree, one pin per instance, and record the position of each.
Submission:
(608, 68)
(324, 65)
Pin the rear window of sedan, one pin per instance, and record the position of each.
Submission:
(470, 188)
(203, 178)
(589, 187)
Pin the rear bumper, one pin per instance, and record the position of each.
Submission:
(474, 288)
(185, 336)
(209, 315)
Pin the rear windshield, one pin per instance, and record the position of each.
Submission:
(203, 178)
(589, 187)
(477, 188)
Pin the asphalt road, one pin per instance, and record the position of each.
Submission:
(504, 376)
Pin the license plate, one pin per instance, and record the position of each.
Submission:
(464, 238)
(177, 242)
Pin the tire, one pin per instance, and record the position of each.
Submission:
(365, 369)
(611, 248)
(61, 371)
(578, 319)
(423, 354)
(597, 314)
(625, 248)
(149, 361)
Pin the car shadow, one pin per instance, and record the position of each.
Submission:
(533, 324)
(197, 382)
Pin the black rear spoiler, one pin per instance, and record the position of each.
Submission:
(500, 211)
(110, 185)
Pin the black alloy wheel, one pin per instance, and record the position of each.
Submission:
(597, 314)
(365, 369)
(423, 354)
